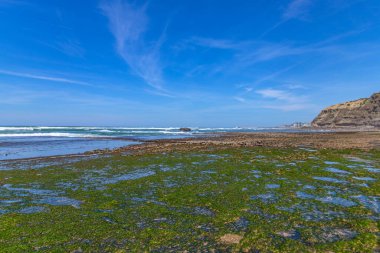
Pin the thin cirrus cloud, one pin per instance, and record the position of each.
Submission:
(43, 77)
(276, 99)
(280, 95)
(128, 24)
(297, 9)
(250, 52)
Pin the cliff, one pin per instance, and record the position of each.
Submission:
(363, 112)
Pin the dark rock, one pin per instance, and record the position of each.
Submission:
(185, 129)
(363, 112)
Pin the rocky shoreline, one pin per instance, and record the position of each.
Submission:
(332, 139)
(321, 140)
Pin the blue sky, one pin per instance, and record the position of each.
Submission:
(184, 63)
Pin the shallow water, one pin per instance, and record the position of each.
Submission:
(29, 147)
(364, 178)
(59, 201)
(32, 209)
(370, 202)
(330, 179)
(339, 171)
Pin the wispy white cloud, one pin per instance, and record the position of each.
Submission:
(276, 99)
(250, 52)
(297, 9)
(285, 100)
(280, 95)
(43, 77)
(240, 99)
(128, 23)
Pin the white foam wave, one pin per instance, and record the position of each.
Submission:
(16, 128)
(50, 135)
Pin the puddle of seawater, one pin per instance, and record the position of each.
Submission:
(130, 176)
(318, 216)
(203, 162)
(44, 197)
(8, 202)
(258, 211)
(146, 200)
(109, 220)
(208, 172)
(374, 170)
(272, 186)
(241, 224)
(330, 163)
(167, 168)
(364, 178)
(203, 211)
(308, 149)
(327, 199)
(330, 179)
(32, 209)
(29, 190)
(292, 234)
(329, 235)
(371, 202)
(337, 201)
(303, 195)
(309, 187)
(358, 160)
(266, 197)
(68, 185)
(363, 185)
(338, 171)
(60, 201)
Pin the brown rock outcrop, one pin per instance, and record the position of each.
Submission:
(363, 112)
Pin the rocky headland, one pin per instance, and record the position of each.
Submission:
(361, 113)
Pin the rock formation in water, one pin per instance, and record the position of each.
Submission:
(363, 112)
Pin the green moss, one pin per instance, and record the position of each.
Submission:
(189, 200)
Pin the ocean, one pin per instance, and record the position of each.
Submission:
(38, 141)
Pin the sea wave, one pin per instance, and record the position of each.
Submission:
(70, 135)
(98, 131)
(16, 128)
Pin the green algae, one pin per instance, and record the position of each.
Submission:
(188, 200)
